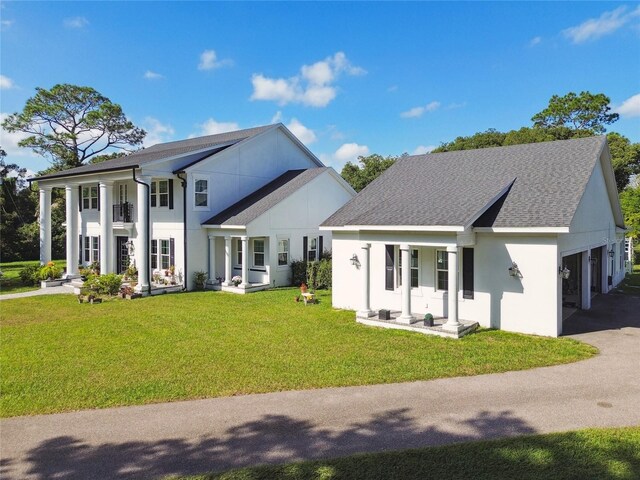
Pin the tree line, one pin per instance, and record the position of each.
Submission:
(72, 125)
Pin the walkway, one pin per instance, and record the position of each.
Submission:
(34, 293)
(196, 436)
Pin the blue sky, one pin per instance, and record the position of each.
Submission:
(347, 78)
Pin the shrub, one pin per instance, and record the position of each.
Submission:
(298, 272)
(108, 284)
(50, 271)
(30, 275)
(199, 279)
(324, 273)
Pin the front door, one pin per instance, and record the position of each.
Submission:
(122, 250)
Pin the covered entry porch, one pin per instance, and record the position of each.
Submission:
(406, 269)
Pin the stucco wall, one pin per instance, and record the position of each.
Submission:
(526, 304)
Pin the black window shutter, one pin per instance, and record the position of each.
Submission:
(171, 197)
(172, 251)
(98, 198)
(389, 267)
(80, 197)
(80, 251)
(320, 247)
(305, 245)
(467, 273)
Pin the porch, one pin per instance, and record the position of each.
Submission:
(418, 325)
(446, 272)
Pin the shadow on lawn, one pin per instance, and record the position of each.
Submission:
(272, 439)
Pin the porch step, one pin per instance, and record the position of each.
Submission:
(418, 326)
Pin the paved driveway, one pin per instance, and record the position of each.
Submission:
(196, 436)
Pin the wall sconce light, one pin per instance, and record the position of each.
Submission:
(564, 272)
(612, 253)
(592, 261)
(514, 271)
(354, 260)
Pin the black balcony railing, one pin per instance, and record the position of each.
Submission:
(123, 212)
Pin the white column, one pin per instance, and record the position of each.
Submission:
(585, 280)
(245, 261)
(365, 305)
(45, 224)
(212, 259)
(143, 241)
(406, 317)
(452, 318)
(71, 194)
(227, 261)
(106, 228)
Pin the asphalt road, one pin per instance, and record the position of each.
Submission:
(197, 436)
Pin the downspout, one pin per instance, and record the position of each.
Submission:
(147, 226)
(184, 228)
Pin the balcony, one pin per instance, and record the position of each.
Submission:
(123, 213)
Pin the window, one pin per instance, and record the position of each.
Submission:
(201, 192)
(442, 270)
(414, 268)
(87, 249)
(283, 252)
(154, 254)
(89, 198)
(160, 193)
(312, 249)
(258, 252)
(165, 255)
(239, 251)
(95, 249)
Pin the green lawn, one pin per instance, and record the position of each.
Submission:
(10, 281)
(631, 283)
(58, 355)
(598, 454)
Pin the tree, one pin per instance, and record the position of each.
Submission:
(71, 124)
(630, 203)
(625, 158)
(578, 112)
(371, 168)
(490, 138)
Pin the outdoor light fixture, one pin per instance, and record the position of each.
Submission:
(354, 260)
(612, 253)
(564, 272)
(514, 271)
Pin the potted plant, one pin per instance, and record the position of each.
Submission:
(237, 280)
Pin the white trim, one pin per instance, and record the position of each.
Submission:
(522, 229)
(227, 227)
(396, 228)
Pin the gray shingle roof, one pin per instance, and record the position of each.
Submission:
(210, 145)
(257, 203)
(452, 188)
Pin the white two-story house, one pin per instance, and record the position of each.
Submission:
(237, 204)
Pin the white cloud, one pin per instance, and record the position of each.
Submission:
(419, 111)
(6, 83)
(630, 107)
(209, 61)
(212, 127)
(304, 134)
(76, 22)
(157, 132)
(422, 149)
(605, 24)
(347, 152)
(392, 88)
(277, 118)
(535, 41)
(151, 75)
(6, 23)
(314, 86)
(9, 142)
